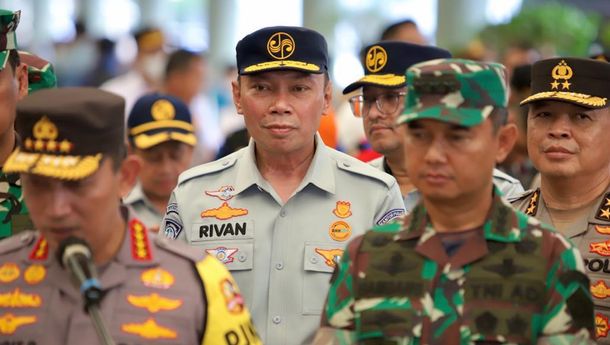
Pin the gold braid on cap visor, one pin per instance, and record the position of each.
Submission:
(580, 98)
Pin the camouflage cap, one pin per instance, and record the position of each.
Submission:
(463, 92)
(8, 39)
(41, 74)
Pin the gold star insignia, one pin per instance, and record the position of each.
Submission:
(534, 197)
(565, 85)
(52, 145)
(607, 202)
(65, 146)
(554, 85)
(38, 145)
(530, 210)
(605, 213)
(29, 144)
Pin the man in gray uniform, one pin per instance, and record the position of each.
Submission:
(567, 139)
(279, 212)
(161, 134)
(382, 101)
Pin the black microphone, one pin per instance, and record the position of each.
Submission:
(74, 255)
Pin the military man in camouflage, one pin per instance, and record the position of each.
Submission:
(568, 128)
(464, 267)
(382, 101)
(73, 167)
(279, 212)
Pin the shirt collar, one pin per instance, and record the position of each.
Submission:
(320, 172)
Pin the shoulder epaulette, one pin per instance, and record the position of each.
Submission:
(520, 196)
(209, 168)
(178, 248)
(353, 165)
(499, 174)
(603, 211)
(17, 242)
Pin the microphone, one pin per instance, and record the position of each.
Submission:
(74, 255)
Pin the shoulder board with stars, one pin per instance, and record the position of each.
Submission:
(140, 245)
(532, 207)
(603, 211)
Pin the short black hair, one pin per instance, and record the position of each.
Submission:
(391, 29)
(499, 118)
(13, 59)
(179, 61)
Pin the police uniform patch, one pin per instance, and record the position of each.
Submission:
(342, 209)
(281, 45)
(149, 330)
(331, 256)
(9, 272)
(224, 212)
(604, 230)
(601, 326)
(603, 211)
(391, 214)
(340, 231)
(173, 227)
(154, 302)
(40, 252)
(223, 254)
(600, 290)
(601, 248)
(9, 323)
(34, 274)
(233, 299)
(157, 278)
(19, 299)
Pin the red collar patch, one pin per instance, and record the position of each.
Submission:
(140, 246)
(40, 252)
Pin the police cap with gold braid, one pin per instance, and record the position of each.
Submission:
(65, 132)
(385, 63)
(579, 81)
(282, 48)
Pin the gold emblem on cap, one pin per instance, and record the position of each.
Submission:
(376, 58)
(45, 134)
(561, 71)
(280, 45)
(163, 110)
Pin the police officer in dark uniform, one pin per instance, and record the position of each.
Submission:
(73, 168)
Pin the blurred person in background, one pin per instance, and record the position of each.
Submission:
(146, 72)
(161, 134)
(75, 60)
(185, 75)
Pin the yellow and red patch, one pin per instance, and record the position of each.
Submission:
(600, 290)
(9, 272)
(601, 326)
(149, 330)
(224, 212)
(340, 231)
(18, 299)
(342, 209)
(140, 245)
(601, 248)
(330, 255)
(40, 252)
(9, 323)
(154, 303)
(604, 230)
(34, 274)
(157, 278)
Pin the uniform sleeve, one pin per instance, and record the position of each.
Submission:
(392, 206)
(172, 225)
(227, 318)
(568, 315)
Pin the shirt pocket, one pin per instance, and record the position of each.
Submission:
(319, 260)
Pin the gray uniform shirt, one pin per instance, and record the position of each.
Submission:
(281, 254)
(142, 208)
(508, 185)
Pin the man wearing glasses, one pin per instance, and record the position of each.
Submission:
(384, 84)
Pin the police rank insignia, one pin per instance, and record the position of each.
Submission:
(19, 299)
(149, 330)
(331, 256)
(342, 210)
(157, 278)
(9, 272)
(561, 71)
(40, 252)
(154, 302)
(34, 274)
(223, 254)
(140, 246)
(376, 58)
(603, 212)
(340, 231)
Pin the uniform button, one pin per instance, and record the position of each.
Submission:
(277, 320)
(314, 260)
(242, 257)
(346, 164)
(279, 266)
(283, 213)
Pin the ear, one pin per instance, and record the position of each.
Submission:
(328, 98)
(130, 168)
(21, 76)
(507, 136)
(236, 96)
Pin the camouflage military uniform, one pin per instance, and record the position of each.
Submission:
(518, 282)
(14, 216)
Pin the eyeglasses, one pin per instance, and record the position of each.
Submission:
(387, 103)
